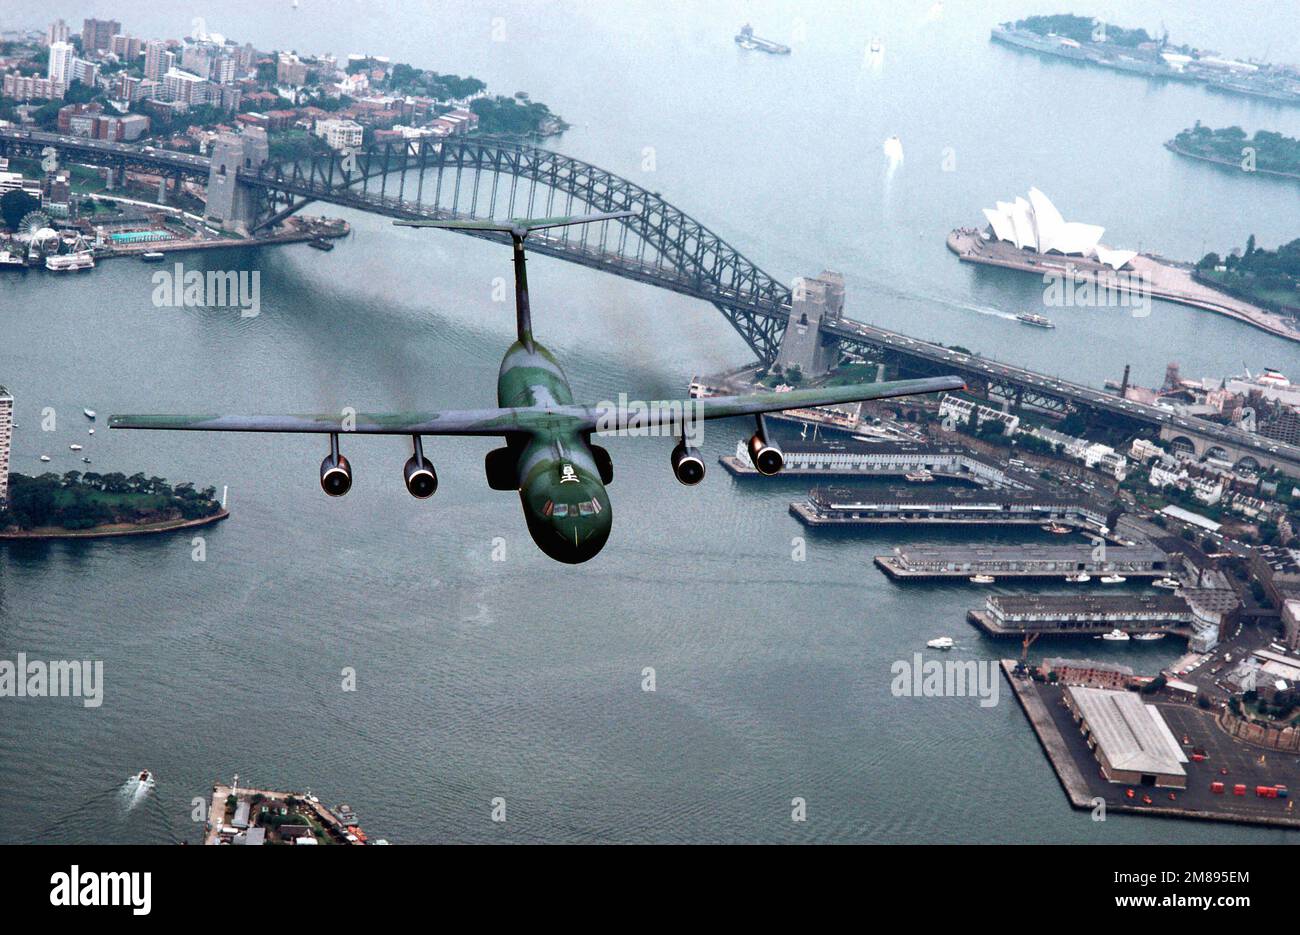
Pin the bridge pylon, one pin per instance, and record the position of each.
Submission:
(232, 205)
(814, 304)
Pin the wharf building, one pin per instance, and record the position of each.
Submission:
(1088, 673)
(1129, 738)
(1022, 561)
(1019, 614)
(947, 506)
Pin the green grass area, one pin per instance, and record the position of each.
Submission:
(114, 501)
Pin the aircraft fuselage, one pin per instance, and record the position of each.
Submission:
(565, 503)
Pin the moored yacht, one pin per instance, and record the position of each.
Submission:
(1113, 578)
(981, 579)
(1117, 636)
(1081, 578)
(1149, 636)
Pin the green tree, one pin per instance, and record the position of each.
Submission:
(14, 204)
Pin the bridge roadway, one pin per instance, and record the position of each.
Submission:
(762, 308)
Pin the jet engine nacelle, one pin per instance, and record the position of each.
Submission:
(420, 477)
(335, 474)
(765, 453)
(688, 465)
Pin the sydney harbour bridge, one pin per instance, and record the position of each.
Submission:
(659, 244)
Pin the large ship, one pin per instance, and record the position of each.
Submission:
(1038, 321)
(747, 40)
(1158, 58)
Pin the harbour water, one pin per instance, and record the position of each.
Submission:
(522, 678)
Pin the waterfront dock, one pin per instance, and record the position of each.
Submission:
(1222, 759)
(949, 506)
(922, 563)
(1080, 614)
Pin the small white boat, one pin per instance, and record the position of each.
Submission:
(90, 432)
(45, 457)
(941, 642)
(74, 447)
(1171, 583)
(1112, 579)
(1149, 637)
(1117, 636)
(153, 256)
(1081, 578)
(89, 413)
(85, 460)
(145, 777)
(981, 579)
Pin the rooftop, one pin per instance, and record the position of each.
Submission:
(1132, 735)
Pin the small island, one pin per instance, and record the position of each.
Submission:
(87, 506)
(1265, 153)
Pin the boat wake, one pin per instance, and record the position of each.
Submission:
(135, 790)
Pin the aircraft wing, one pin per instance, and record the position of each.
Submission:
(490, 422)
(510, 420)
(720, 407)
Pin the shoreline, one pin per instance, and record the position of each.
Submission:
(966, 247)
(113, 530)
(1229, 164)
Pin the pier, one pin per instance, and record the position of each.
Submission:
(1080, 614)
(949, 506)
(1021, 561)
(1222, 759)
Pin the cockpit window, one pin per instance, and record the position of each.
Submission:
(585, 508)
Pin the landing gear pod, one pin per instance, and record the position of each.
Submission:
(335, 471)
(764, 451)
(688, 465)
(420, 478)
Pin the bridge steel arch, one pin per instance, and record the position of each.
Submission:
(481, 177)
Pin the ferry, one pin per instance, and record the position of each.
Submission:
(153, 256)
(1037, 321)
(1115, 636)
(1113, 579)
(941, 642)
(1168, 583)
(982, 579)
(1149, 636)
(11, 259)
(1081, 578)
(70, 262)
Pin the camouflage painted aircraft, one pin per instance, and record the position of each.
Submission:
(548, 456)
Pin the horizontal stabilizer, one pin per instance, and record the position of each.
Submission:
(516, 226)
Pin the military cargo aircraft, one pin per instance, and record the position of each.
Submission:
(548, 456)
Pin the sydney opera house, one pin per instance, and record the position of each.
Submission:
(1036, 225)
